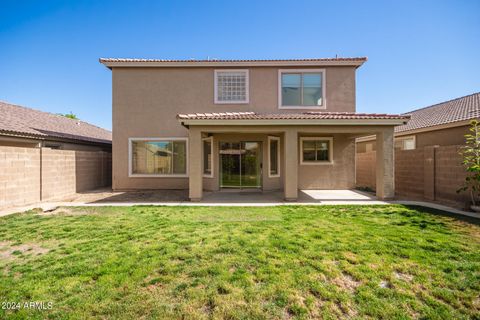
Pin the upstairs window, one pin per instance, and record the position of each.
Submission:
(303, 89)
(231, 86)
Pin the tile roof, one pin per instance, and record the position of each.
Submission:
(286, 116)
(102, 60)
(24, 121)
(459, 109)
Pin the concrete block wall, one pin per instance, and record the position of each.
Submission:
(89, 170)
(428, 173)
(58, 173)
(409, 173)
(450, 174)
(365, 174)
(19, 176)
(30, 175)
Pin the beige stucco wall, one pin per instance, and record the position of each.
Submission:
(147, 100)
(444, 137)
(79, 147)
(338, 175)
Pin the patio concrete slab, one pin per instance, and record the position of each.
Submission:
(335, 195)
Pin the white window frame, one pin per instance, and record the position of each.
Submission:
(247, 86)
(155, 175)
(402, 138)
(211, 175)
(270, 138)
(314, 163)
(324, 82)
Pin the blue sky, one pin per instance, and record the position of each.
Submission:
(420, 52)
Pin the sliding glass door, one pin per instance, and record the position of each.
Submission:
(240, 165)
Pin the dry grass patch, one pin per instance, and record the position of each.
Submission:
(69, 211)
(10, 251)
(346, 283)
(403, 276)
(344, 310)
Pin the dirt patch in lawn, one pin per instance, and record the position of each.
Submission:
(346, 282)
(10, 251)
(403, 276)
(69, 211)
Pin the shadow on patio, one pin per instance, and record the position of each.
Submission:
(224, 197)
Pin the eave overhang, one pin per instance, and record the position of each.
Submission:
(156, 63)
(294, 122)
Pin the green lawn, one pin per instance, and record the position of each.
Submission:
(390, 262)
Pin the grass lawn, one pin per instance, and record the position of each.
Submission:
(285, 262)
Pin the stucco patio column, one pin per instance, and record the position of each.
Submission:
(290, 183)
(385, 183)
(195, 164)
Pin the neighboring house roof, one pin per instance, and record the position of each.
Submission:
(459, 109)
(126, 62)
(22, 121)
(291, 118)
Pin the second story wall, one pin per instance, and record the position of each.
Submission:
(147, 100)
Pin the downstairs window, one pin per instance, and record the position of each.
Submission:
(158, 157)
(316, 150)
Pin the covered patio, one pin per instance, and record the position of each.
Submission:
(338, 129)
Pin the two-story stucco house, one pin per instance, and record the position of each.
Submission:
(266, 124)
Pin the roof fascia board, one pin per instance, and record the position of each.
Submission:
(292, 122)
(168, 64)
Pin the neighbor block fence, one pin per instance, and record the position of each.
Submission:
(30, 175)
(432, 173)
